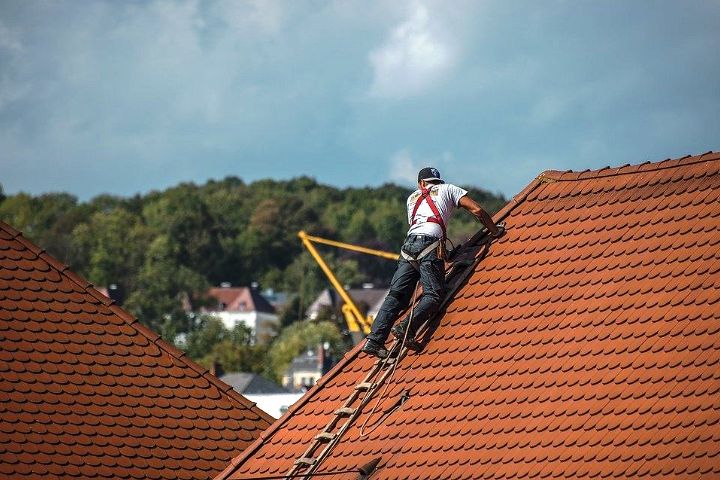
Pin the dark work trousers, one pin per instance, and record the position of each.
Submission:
(432, 278)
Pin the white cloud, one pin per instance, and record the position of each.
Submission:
(414, 57)
(265, 16)
(9, 39)
(404, 168)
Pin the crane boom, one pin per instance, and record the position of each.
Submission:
(348, 246)
(357, 322)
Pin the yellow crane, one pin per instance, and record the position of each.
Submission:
(357, 323)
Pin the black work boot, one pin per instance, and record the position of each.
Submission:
(371, 347)
(398, 331)
(412, 344)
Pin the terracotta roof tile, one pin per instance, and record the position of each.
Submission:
(87, 391)
(585, 344)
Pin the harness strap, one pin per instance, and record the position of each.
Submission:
(425, 196)
(421, 255)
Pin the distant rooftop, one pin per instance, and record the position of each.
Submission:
(239, 299)
(251, 383)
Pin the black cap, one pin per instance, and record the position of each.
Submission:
(429, 174)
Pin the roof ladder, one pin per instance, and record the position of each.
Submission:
(343, 417)
(312, 458)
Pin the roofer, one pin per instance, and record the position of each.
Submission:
(422, 257)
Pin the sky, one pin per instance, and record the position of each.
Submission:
(124, 97)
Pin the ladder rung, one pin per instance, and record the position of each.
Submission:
(305, 461)
(345, 411)
(364, 386)
(325, 436)
(386, 361)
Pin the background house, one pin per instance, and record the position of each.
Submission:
(306, 369)
(368, 299)
(244, 305)
(267, 395)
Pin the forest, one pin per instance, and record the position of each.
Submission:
(164, 248)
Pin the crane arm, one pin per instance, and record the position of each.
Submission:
(357, 322)
(361, 323)
(348, 246)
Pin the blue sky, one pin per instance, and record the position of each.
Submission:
(125, 97)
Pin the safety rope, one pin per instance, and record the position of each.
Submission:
(392, 372)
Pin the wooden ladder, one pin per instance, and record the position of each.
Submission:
(307, 464)
(329, 437)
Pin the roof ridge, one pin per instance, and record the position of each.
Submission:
(627, 169)
(153, 337)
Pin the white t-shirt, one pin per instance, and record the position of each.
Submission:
(446, 198)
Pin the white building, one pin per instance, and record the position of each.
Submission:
(244, 305)
(266, 394)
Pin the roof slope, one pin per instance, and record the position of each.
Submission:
(584, 344)
(240, 299)
(88, 392)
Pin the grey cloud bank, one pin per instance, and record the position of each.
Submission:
(124, 97)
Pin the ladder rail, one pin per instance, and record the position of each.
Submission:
(314, 462)
(346, 426)
(333, 423)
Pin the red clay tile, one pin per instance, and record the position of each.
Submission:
(76, 385)
(584, 345)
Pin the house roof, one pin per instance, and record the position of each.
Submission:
(86, 391)
(365, 298)
(583, 343)
(247, 383)
(240, 299)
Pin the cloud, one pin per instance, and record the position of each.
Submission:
(404, 168)
(413, 58)
(9, 38)
(106, 96)
(265, 16)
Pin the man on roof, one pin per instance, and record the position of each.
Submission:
(422, 258)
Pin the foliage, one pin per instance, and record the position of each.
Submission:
(296, 339)
(165, 248)
(162, 288)
(234, 350)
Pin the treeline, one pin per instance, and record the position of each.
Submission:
(167, 247)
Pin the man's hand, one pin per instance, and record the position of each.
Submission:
(500, 230)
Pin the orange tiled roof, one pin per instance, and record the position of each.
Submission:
(584, 344)
(88, 392)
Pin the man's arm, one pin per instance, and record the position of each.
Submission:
(473, 207)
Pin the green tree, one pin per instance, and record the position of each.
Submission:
(184, 220)
(292, 312)
(207, 331)
(296, 339)
(234, 350)
(234, 357)
(114, 244)
(164, 289)
(48, 219)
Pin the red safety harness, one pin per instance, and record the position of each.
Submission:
(425, 196)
